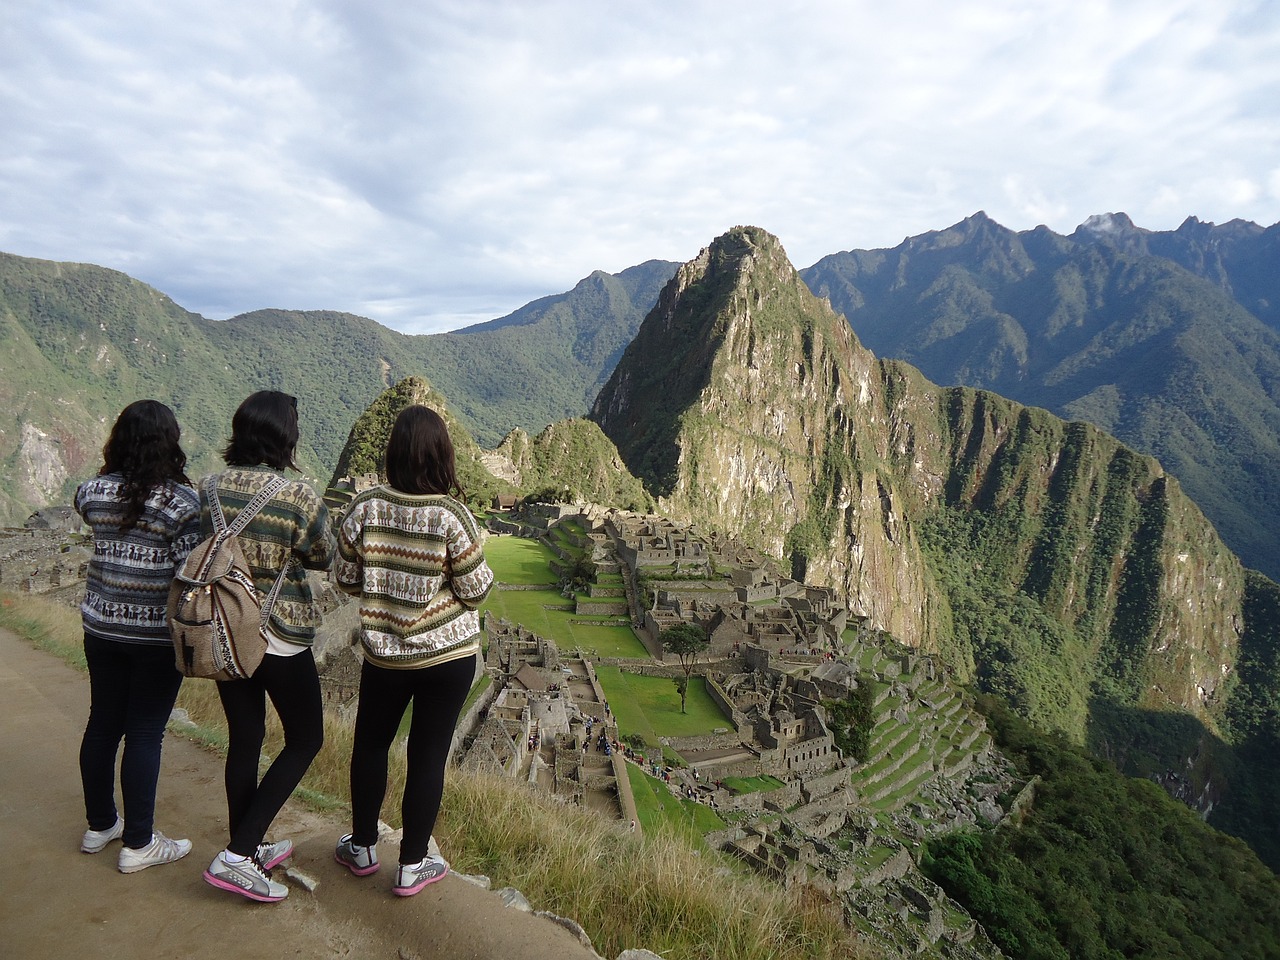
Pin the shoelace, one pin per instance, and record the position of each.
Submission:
(165, 846)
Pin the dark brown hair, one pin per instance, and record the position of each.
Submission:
(264, 430)
(420, 454)
(143, 448)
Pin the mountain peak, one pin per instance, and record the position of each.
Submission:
(1107, 224)
(735, 319)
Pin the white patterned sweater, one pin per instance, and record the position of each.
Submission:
(417, 565)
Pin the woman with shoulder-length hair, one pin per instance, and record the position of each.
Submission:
(145, 519)
(411, 551)
(291, 532)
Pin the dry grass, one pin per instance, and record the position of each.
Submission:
(654, 892)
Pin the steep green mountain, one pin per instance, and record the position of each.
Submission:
(1147, 335)
(1048, 562)
(569, 461)
(1238, 256)
(366, 444)
(78, 342)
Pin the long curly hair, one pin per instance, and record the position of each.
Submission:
(144, 449)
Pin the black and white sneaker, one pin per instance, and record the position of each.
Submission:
(247, 878)
(412, 877)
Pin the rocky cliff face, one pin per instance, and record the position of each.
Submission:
(748, 404)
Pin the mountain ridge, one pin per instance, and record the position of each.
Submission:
(1113, 325)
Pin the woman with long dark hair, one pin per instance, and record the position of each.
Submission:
(411, 551)
(291, 532)
(145, 519)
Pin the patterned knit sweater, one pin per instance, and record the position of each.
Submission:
(294, 523)
(127, 585)
(417, 565)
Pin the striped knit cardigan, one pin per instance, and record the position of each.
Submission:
(417, 565)
(294, 523)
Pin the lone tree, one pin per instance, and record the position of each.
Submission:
(686, 641)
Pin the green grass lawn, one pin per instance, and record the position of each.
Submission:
(658, 808)
(517, 560)
(604, 636)
(753, 784)
(527, 562)
(650, 706)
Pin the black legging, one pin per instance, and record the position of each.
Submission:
(294, 689)
(437, 694)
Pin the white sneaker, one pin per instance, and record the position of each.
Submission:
(95, 841)
(160, 850)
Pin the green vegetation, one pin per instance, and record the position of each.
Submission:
(548, 614)
(573, 461)
(687, 641)
(1020, 652)
(853, 719)
(519, 560)
(78, 342)
(752, 784)
(1105, 866)
(661, 810)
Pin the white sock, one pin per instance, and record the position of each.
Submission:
(230, 857)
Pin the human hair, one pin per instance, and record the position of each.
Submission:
(143, 448)
(420, 454)
(264, 429)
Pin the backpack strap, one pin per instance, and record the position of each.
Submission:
(274, 485)
(269, 489)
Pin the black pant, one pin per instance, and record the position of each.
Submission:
(294, 689)
(132, 687)
(437, 694)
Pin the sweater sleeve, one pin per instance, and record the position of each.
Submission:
(348, 561)
(315, 548)
(470, 577)
(188, 528)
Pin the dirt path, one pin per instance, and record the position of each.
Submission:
(56, 902)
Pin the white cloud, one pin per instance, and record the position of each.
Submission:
(437, 163)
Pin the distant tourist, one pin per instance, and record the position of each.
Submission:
(411, 551)
(292, 529)
(145, 519)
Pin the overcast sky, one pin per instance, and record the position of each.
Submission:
(434, 164)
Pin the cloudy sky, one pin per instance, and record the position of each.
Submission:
(434, 164)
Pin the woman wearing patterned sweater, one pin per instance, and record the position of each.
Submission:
(145, 519)
(411, 552)
(291, 531)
